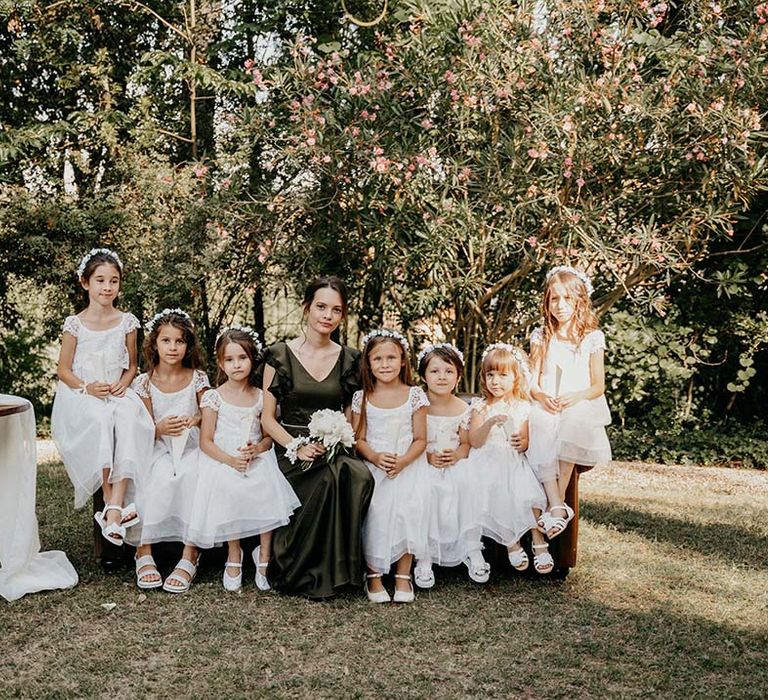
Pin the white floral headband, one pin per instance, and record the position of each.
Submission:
(520, 357)
(150, 325)
(243, 329)
(572, 270)
(428, 348)
(384, 333)
(97, 251)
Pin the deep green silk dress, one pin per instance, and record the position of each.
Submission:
(320, 550)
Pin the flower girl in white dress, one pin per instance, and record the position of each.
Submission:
(390, 421)
(570, 412)
(241, 491)
(171, 390)
(454, 534)
(101, 428)
(509, 497)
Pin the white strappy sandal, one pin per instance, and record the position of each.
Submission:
(518, 558)
(262, 583)
(181, 585)
(111, 532)
(423, 575)
(130, 509)
(543, 563)
(478, 569)
(378, 596)
(147, 562)
(404, 596)
(233, 583)
(548, 522)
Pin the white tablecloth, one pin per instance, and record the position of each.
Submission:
(23, 567)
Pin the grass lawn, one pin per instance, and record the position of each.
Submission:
(670, 598)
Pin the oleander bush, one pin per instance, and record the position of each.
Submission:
(440, 160)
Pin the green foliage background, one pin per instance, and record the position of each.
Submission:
(439, 161)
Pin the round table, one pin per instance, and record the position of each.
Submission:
(23, 567)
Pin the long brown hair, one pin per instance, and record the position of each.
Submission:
(247, 343)
(369, 381)
(584, 318)
(191, 357)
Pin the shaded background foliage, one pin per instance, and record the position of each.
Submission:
(439, 161)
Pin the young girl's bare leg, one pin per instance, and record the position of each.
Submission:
(542, 560)
(374, 584)
(234, 555)
(403, 568)
(403, 585)
(566, 471)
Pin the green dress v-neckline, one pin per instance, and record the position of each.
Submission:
(308, 373)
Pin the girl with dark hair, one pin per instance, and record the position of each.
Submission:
(241, 491)
(454, 532)
(171, 390)
(100, 426)
(390, 420)
(320, 550)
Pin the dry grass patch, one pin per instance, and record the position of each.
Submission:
(669, 599)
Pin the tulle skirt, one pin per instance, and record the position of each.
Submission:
(94, 434)
(453, 527)
(576, 435)
(505, 491)
(165, 496)
(229, 505)
(398, 517)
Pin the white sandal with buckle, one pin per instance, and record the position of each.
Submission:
(262, 583)
(181, 585)
(378, 596)
(518, 558)
(147, 562)
(556, 522)
(111, 532)
(233, 583)
(479, 570)
(423, 576)
(404, 596)
(543, 563)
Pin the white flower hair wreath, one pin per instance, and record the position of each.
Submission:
(517, 353)
(97, 251)
(243, 329)
(429, 347)
(384, 333)
(149, 326)
(578, 273)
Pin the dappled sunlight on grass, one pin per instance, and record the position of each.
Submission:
(628, 571)
(668, 598)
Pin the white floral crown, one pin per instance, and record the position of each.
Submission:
(520, 357)
(428, 348)
(243, 329)
(578, 273)
(97, 251)
(384, 333)
(150, 325)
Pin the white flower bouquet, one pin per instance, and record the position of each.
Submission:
(326, 427)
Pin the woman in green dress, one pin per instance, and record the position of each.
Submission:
(320, 550)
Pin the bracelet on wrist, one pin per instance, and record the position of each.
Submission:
(293, 447)
(83, 389)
